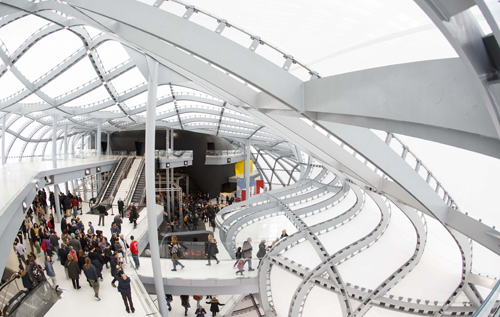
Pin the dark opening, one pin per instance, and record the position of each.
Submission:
(211, 146)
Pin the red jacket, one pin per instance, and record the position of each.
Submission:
(134, 248)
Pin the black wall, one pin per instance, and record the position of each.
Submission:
(202, 178)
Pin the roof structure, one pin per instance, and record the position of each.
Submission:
(323, 88)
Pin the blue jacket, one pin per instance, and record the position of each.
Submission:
(123, 285)
(49, 269)
(91, 273)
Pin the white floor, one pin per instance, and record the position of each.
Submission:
(82, 302)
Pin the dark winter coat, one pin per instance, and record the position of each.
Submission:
(262, 250)
(73, 269)
(211, 249)
(214, 305)
(91, 273)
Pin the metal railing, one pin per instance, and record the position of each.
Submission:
(134, 182)
(174, 154)
(224, 152)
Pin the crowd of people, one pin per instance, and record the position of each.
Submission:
(78, 248)
(81, 248)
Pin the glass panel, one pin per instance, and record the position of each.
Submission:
(128, 80)
(96, 95)
(10, 85)
(32, 99)
(79, 74)
(137, 100)
(16, 32)
(111, 54)
(47, 53)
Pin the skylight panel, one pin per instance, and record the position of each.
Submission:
(18, 124)
(97, 95)
(10, 85)
(78, 75)
(128, 80)
(16, 32)
(137, 100)
(33, 98)
(29, 129)
(163, 91)
(48, 53)
(165, 108)
(111, 54)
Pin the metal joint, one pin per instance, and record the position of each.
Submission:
(222, 25)
(256, 41)
(189, 12)
(289, 61)
(314, 75)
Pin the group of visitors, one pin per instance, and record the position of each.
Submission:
(79, 248)
(200, 311)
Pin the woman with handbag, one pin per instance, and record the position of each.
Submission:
(211, 249)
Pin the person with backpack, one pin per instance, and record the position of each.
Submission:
(175, 251)
(133, 215)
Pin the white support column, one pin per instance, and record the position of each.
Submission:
(150, 184)
(108, 148)
(172, 197)
(57, 203)
(4, 127)
(168, 142)
(98, 140)
(54, 141)
(168, 193)
(65, 142)
(247, 169)
(83, 142)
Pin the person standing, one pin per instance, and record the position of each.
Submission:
(247, 253)
(114, 264)
(73, 271)
(118, 220)
(120, 206)
(102, 213)
(92, 275)
(133, 215)
(214, 306)
(124, 246)
(211, 249)
(50, 271)
(283, 234)
(54, 242)
(134, 249)
(124, 289)
(200, 312)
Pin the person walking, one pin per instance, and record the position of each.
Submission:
(175, 249)
(238, 257)
(214, 306)
(262, 251)
(124, 246)
(92, 275)
(50, 271)
(20, 251)
(247, 253)
(134, 249)
(211, 249)
(73, 271)
(124, 289)
(169, 299)
(185, 303)
(114, 264)
(241, 264)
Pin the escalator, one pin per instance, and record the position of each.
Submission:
(110, 187)
(138, 192)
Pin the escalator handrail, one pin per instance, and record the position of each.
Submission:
(104, 188)
(122, 175)
(137, 176)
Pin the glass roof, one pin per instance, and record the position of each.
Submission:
(331, 37)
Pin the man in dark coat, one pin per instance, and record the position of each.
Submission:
(120, 206)
(124, 289)
(64, 224)
(102, 213)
